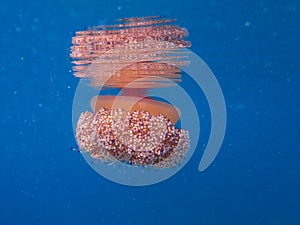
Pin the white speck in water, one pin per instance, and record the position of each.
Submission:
(18, 29)
(247, 24)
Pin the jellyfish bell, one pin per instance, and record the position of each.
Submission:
(135, 138)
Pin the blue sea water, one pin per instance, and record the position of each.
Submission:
(253, 48)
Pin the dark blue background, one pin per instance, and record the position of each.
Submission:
(253, 49)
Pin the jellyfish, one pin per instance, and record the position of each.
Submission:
(134, 55)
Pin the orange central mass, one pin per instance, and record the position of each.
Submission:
(132, 103)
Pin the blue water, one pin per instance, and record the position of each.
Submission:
(253, 47)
